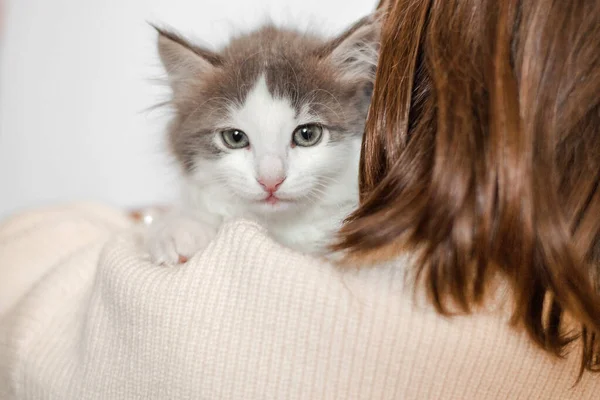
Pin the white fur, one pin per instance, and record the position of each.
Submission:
(319, 191)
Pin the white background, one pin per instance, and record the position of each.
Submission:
(76, 80)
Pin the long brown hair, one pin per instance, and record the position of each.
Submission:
(482, 153)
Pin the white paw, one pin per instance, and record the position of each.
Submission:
(174, 240)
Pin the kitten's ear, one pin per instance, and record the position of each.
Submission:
(355, 51)
(182, 60)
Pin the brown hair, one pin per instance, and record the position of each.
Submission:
(482, 152)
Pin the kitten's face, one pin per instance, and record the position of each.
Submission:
(273, 157)
(272, 123)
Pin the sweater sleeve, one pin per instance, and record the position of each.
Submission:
(244, 319)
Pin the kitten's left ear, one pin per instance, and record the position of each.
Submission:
(355, 51)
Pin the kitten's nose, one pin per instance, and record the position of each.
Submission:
(271, 172)
(271, 184)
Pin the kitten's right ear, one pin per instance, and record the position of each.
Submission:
(182, 60)
(355, 51)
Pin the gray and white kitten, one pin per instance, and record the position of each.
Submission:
(269, 128)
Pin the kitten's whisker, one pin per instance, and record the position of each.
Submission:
(315, 91)
(201, 105)
(238, 74)
(296, 92)
(330, 109)
(320, 191)
(329, 180)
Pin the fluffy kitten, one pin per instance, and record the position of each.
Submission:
(268, 128)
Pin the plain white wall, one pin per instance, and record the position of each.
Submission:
(75, 81)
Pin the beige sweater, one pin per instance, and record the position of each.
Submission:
(85, 316)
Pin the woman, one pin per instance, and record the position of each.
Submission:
(482, 151)
(481, 157)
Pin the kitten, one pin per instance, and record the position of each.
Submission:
(268, 128)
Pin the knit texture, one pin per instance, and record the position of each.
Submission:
(85, 315)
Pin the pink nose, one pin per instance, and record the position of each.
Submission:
(270, 184)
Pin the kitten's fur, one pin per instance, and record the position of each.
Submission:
(266, 84)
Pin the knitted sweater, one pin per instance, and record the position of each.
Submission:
(85, 315)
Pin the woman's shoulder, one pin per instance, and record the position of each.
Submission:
(248, 318)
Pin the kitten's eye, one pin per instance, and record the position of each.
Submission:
(235, 139)
(307, 135)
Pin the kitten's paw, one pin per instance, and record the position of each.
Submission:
(175, 240)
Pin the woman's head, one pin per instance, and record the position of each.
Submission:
(482, 152)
